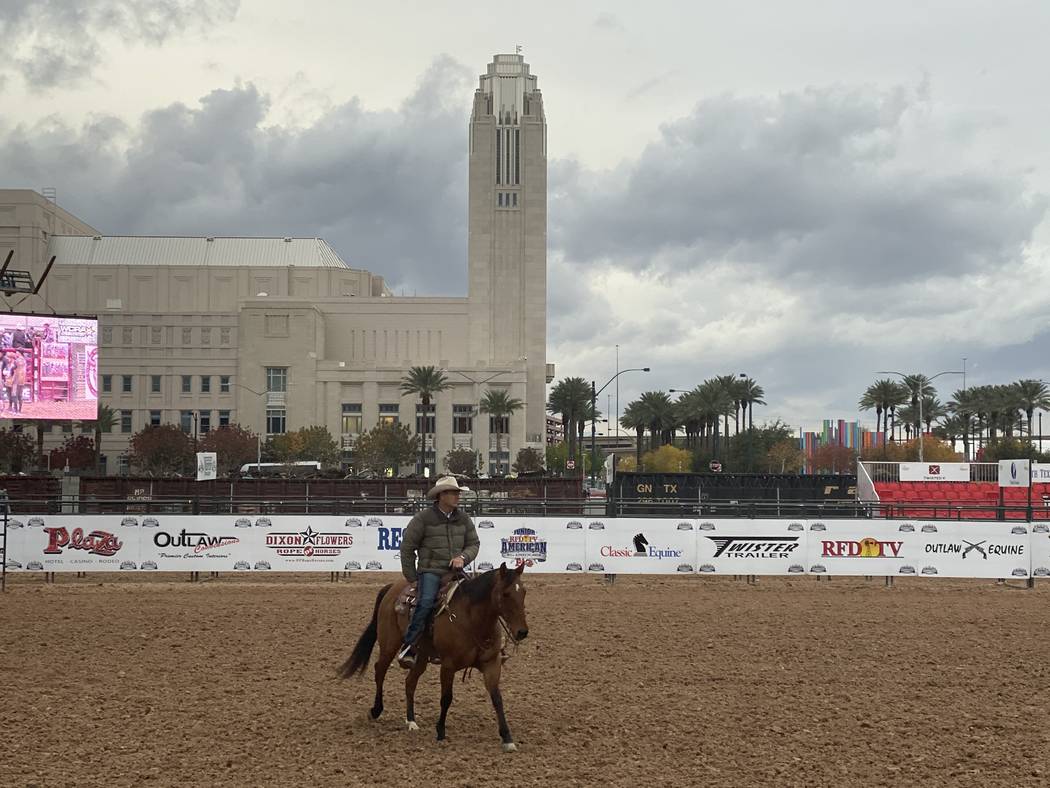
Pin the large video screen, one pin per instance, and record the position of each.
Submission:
(48, 367)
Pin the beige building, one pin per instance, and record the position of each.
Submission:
(280, 333)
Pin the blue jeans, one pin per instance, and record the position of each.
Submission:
(426, 596)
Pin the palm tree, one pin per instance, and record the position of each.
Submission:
(896, 395)
(1033, 395)
(951, 427)
(424, 382)
(870, 401)
(918, 385)
(105, 420)
(632, 419)
(932, 409)
(728, 384)
(964, 407)
(499, 403)
(560, 403)
(658, 410)
(753, 394)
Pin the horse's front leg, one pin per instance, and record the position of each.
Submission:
(492, 671)
(411, 680)
(447, 676)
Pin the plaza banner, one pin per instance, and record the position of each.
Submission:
(751, 547)
(628, 545)
(935, 471)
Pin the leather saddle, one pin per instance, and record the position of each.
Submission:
(406, 600)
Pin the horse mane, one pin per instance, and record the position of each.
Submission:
(478, 589)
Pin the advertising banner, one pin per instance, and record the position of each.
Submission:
(975, 549)
(1013, 473)
(207, 465)
(864, 547)
(751, 547)
(628, 545)
(935, 472)
(1041, 472)
(1039, 549)
(543, 544)
(71, 543)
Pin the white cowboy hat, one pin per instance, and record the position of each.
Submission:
(444, 484)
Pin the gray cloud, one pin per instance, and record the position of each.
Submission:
(809, 184)
(386, 188)
(57, 42)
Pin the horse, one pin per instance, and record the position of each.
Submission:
(466, 634)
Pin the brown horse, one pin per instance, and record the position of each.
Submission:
(464, 635)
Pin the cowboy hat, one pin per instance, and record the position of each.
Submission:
(444, 484)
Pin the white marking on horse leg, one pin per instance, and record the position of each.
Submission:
(510, 747)
(411, 724)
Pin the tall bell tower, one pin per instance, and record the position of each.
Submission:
(507, 244)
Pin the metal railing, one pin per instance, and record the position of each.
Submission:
(536, 507)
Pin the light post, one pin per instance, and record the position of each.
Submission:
(594, 406)
(917, 392)
(258, 437)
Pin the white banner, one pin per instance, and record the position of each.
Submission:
(751, 547)
(543, 544)
(1013, 473)
(935, 472)
(207, 465)
(864, 547)
(963, 550)
(627, 545)
(308, 543)
(1041, 473)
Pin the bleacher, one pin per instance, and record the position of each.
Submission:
(961, 500)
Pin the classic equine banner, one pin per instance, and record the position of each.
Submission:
(325, 543)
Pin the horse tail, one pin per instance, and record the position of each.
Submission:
(358, 660)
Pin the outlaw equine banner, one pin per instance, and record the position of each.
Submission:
(326, 543)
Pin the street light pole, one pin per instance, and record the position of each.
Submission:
(918, 395)
(477, 411)
(594, 407)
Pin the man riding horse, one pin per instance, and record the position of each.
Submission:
(437, 540)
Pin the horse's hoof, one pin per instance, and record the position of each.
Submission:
(510, 746)
(411, 725)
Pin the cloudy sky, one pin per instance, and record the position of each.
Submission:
(808, 192)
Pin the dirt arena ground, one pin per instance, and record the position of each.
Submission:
(119, 681)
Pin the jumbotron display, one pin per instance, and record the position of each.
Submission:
(48, 367)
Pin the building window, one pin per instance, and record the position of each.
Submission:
(517, 153)
(154, 418)
(205, 384)
(125, 383)
(154, 384)
(224, 336)
(187, 336)
(388, 415)
(127, 335)
(125, 421)
(205, 421)
(499, 151)
(499, 463)
(425, 425)
(224, 418)
(500, 424)
(187, 384)
(107, 384)
(277, 379)
(67, 426)
(205, 336)
(107, 335)
(514, 199)
(462, 419)
(224, 384)
(122, 465)
(351, 418)
(186, 421)
(276, 421)
(499, 199)
(276, 325)
(154, 335)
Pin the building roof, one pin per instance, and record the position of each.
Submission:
(157, 250)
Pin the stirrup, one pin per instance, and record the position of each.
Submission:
(405, 657)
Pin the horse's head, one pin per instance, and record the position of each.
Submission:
(508, 597)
